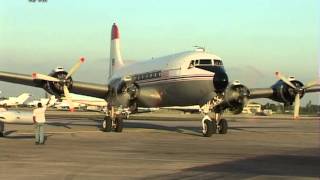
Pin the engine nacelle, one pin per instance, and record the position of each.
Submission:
(56, 88)
(235, 98)
(286, 94)
(122, 92)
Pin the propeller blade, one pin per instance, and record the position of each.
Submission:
(296, 106)
(68, 98)
(75, 67)
(285, 80)
(311, 84)
(44, 77)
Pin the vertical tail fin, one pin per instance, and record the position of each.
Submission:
(115, 55)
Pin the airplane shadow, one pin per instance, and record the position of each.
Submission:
(29, 136)
(19, 137)
(189, 130)
(195, 131)
(297, 165)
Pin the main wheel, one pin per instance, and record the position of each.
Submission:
(107, 124)
(1, 129)
(208, 128)
(214, 126)
(119, 124)
(223, 126)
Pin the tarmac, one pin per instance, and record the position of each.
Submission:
(164, 148)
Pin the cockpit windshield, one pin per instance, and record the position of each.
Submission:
(205, 62)
(217, 62)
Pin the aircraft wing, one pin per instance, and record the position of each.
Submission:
(84, 88)
(269, 92)
(313, 89)
(260, 93)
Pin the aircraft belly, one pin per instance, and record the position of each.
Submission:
(175, 93)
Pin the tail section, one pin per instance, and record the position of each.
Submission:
(116, 61)
(22, 98)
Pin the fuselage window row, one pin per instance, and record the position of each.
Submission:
(145, 76)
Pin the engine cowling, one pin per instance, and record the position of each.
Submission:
(235, 98)
(123, 92)
(286, 94)
(56, 88)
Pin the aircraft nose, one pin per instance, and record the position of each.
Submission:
(220, 80)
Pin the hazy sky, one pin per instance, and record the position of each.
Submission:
(255, 38)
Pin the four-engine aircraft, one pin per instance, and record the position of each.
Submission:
(183, 79)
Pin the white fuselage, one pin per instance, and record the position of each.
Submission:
(176, 65)
(171, 80)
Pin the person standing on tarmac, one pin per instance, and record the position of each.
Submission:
(39, 120)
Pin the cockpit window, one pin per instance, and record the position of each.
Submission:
(205, 62)
(217, 62)
(191, 64)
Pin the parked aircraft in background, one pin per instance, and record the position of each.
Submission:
(42, 101)
(182, 79)
(81, 102)
(20, 117)
(15, 101)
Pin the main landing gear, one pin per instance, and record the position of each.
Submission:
(213, 125)
(1, 129)
(113, 121)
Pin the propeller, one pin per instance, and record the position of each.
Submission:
(44, 77)
(299, 91)
(68, 98)
(62, 81)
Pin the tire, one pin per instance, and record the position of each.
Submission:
(208, 128)
(119, 124)
(214, 127)
(107, 124)
(223, 126)
(1, 129)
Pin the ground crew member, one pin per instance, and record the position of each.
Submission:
(39, 120)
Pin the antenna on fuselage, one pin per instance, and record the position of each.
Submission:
(199, 48)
